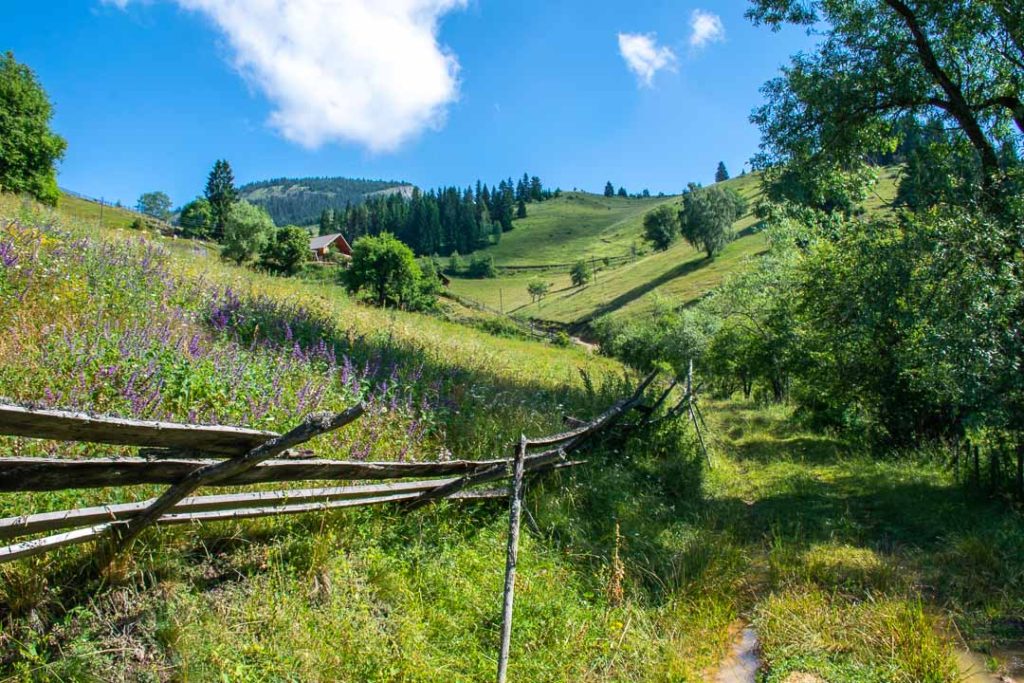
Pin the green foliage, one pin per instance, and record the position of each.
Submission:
(29, 150)
(155, 204)
(672, 337)
(287, 250)
(721, 173)
(221, 194)
(580, 273)
(707, 217)
(538, 289)
(327, 225)
(247, 232)
(482, 266)
(609, 189)
(916, 322)
(196, 219)
(456, 264)
(877, 63)
(661, 227)
(303, 201)
(386, 268)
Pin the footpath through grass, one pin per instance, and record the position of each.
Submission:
(862, 568)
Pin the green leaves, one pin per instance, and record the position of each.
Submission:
(386, 268)
(247, 231)
(29, 150)
(707, 217)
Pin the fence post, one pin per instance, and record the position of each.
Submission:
(515, 513)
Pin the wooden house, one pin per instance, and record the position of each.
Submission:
(320, 246)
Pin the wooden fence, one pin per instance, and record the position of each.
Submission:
(188, 457)
(192, 456)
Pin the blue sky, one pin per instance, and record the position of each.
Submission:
(149, 93)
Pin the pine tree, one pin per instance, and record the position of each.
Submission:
(521, 209)
(536, 190)
(721, 175)
(622, 192)
(221, 193)
(609, 189)
(326, 222)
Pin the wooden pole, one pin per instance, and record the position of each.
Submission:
(514, 516)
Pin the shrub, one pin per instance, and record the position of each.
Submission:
(287, 250)
(482, 266)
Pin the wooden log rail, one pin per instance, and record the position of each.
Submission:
(188, 457)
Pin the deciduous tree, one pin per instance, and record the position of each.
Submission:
(29, 150)
(155, 204)
(706, 218)
(196, 219)
(386, 268)
(661, 227)
(247, 231)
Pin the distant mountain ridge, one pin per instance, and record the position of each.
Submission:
(300, 201)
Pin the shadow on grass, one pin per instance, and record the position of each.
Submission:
(685, 268)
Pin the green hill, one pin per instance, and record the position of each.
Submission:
(300, 201)
(85, 209)
(577, 226)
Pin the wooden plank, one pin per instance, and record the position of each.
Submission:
(54, 474)
(600, 422)
(532, 463)
(210, 475)
(39, 546)
(248, 513)
(66, 519)
(43, 545)
(72, 426)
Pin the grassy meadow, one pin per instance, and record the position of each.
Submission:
(640, 566)
(591, 227)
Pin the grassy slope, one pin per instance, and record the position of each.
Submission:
(845, 564)
(85, 210)
(584, 226)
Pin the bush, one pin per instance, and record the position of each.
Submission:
(482, 266)
(288, 250)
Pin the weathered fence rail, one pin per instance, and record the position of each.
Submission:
(187, 457)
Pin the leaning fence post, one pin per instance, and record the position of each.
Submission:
(514, 516)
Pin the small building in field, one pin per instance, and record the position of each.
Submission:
(320, 246)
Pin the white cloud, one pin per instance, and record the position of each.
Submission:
(365, 71)
(644, 56)
(705, 28)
